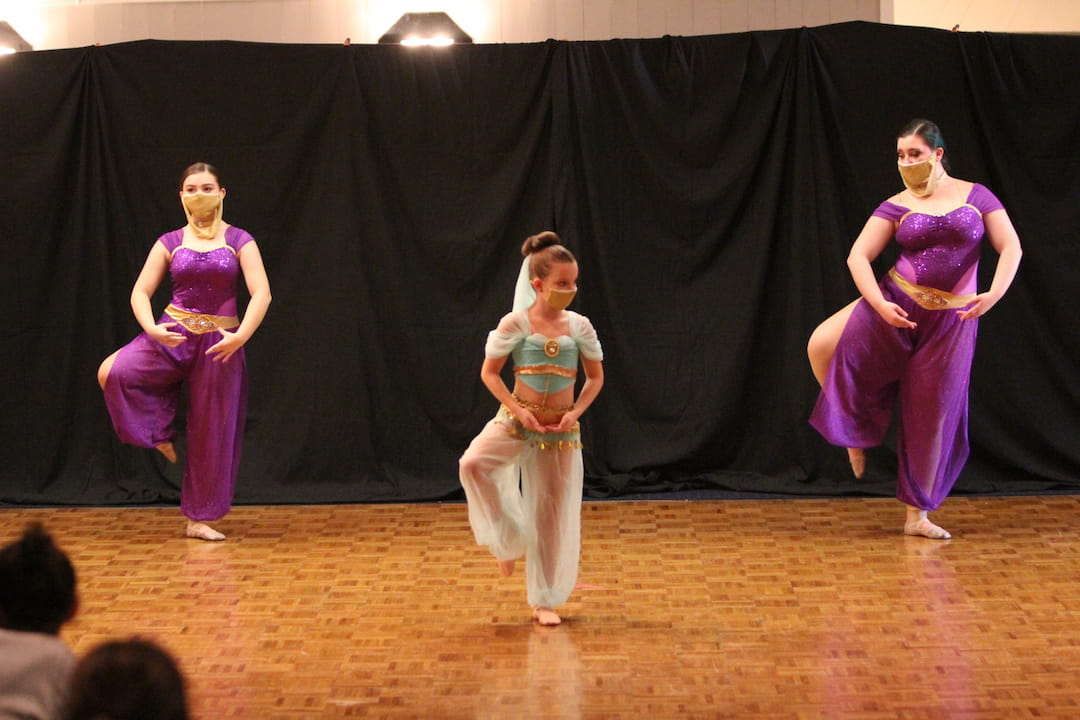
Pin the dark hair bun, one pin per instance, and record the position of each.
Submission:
(539, 241)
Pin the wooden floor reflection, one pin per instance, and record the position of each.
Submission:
(726, 609)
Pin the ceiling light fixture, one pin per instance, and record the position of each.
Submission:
(11, 41)
(432, 29)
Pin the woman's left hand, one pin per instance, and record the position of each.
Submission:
(224, 348)
(979, 306)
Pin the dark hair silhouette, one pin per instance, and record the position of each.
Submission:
(131, 679)
(37, 584)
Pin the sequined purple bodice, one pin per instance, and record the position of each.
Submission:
(205, 282)
(941, 251)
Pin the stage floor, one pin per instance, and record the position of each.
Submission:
(701, 609)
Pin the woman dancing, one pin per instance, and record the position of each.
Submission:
(910, 338)
(199, 339)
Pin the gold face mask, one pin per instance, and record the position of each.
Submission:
(561, 299)
(200, 205)
(919, 178)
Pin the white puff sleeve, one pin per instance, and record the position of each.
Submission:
(583, 333)
(511, 330)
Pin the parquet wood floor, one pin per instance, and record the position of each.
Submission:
(726, 609)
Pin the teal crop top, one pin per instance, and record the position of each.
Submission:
(547, 365)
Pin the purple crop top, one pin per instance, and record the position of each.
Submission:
(205, 282)
(941, 251)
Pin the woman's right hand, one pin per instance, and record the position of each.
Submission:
(894, 315)
(162, 334)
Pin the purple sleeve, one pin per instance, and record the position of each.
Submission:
(890, 211)
(983, 200)
(171, 240)
(237, 238)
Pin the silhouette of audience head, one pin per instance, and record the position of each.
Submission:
(133, 679)
(37, 584)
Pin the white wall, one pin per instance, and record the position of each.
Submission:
(48, 24)
(1047, 16)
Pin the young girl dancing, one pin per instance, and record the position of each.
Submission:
(535, 436)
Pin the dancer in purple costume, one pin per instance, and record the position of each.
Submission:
(199, 339)
(909, 340)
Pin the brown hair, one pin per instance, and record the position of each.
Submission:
(930, 134)
(133, 679)
(544, 248)
(199, 167)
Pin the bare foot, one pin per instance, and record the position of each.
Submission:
(506, 567)
(167, 449)
(546, 616)
(202, 531)
(925, 528)
(857, 458)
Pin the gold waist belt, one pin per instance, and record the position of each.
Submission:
(546, 414)
(200, 323)
(539, 409)
(928, 297)
(543, 441)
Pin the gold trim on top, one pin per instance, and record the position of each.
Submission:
(203, 252)
(928, 297)
(547, 369)
(929, 214)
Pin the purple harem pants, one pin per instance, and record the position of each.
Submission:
(142, 393)
(924, 371)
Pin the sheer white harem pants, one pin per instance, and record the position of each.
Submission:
(540, 517)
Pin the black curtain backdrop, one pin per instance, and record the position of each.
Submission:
(710, 186)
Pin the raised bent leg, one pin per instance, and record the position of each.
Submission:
(823, 340)
(820, 350)
(489, 473)
(165, 448)
(105, 368)
(141, 382)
